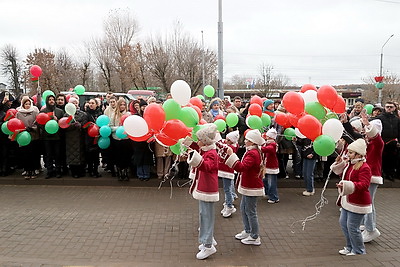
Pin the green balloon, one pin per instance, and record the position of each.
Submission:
(379, 85)
(324, 145)
(289, 134)
(265, 119)
(368, 108)
(172, 109)
(254, 122)
(331, 115)
(24, 138)
(79, 89)
(221, 125)
(47, 93)
(201, 97)
(189, 116)
(209, 91)
(51, 127)
(5, 129)
(232, 119)
(177, 149)
(194, 131)
(315, 109)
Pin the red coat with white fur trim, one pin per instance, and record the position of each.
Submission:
(355, 196)
(249, 181)
(374, 154)
(205, 183)
(271, 159)
(225, 171)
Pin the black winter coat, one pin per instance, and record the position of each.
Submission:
(390, 126)
(75, 139)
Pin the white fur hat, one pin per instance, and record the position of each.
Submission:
(377, 124)
(271, 133)
(255, 137)
(233, 136)
(207, 134)
(356, 124)
(73, 99)
(359, 146)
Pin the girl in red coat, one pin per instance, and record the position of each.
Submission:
(271, 165)
(250, 185)
(227, 174)
(204, 187)
(354, 197)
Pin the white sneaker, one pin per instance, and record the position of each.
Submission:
(242, 235)
(24, 173)
(369, 236)
(273, 201)
(307, 194)
(251, 241)
(205, 253)
(214, 243)
(344, 251)
(362, 227)
(223, 210)
(229, 211)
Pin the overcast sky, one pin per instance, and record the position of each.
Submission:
(318, 41)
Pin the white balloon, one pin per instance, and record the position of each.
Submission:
(298, 133)
(135, 126)
(310, 96)
(333, 128)
(181, 92)
(70, 109)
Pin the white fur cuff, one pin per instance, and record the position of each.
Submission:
(348, 188)
(230, 162)
(195, 160)
(338, 168)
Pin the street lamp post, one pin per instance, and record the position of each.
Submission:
(380, 70)
(220, 52)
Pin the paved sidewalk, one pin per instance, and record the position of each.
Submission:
(44, 225)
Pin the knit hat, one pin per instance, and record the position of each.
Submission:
(215, 101)
(207, 134)
(271, 133)
(142, 102)
(255, 137)
(267, 103)
(359, 146)
(356, 124)
(377, 124)
(233, 136)
(73, 100)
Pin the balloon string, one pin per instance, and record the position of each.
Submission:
(318, 207)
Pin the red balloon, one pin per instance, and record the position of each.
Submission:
(93, 130)
(36, 71)
(340, 106)
(15, 125)
(256, 100)
(34, 98)
(310, 126)
(165, 139)
(307, 87)
(42, 118)
(63, 123)
(255, 109)
(175, 129)
(219, 117)
(195, 101)
(10, 114)
(282, 119)
(123, 117)
(293, 103)
(154, 115)
(142, 138)
(327, 96)
(198, 110)
(293, 119)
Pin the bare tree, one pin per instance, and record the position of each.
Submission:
(390, 92)
(269, 82)
(11, 67)
(104, 60)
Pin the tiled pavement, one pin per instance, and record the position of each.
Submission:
(120, 225)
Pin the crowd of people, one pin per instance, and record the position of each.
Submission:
(366, 154)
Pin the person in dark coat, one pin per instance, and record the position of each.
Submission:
(75, 142)
(52, 142)
(92, 149)
(61, 101)
(6, 100)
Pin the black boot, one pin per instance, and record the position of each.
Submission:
(58, 172)
(119, 174)
(126, 175)
(95, 172)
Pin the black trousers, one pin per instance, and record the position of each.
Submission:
(53, 155)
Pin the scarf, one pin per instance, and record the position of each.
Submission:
(214, 112)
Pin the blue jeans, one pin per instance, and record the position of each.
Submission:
(370, 218)
(248, 208)
(350, 223)
(308, 173)
(143, 171)
(228, 189)
(271, 186)
(206, 219)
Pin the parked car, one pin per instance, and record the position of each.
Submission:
(144, 94)
(89, 95)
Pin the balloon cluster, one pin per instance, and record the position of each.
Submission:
(171, 122)
(15, 128)
(312, 112)
(256, 118)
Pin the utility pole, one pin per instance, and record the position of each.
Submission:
(220, 53)
(380, 84)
